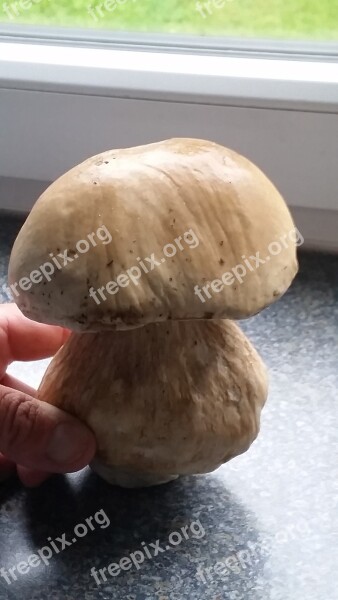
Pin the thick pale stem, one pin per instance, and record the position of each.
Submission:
(163, 400)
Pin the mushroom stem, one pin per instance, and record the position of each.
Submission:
(163, 400)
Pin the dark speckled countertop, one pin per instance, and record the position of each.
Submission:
(263, 527)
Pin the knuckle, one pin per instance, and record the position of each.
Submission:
(18, 420)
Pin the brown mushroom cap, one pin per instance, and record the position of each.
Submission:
(166, 400)
(147, 197)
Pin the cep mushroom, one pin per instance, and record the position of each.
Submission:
(168, 384)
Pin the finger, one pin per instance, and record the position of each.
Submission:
(7, 468)
(41, 437)
(30, 477)
(23, 339)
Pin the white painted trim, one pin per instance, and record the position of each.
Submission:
(152, 75)
(19, 195)
(61, 104)
(44, 134)
(318, 227)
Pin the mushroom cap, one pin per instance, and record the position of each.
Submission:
(166, 400)
(206, 206)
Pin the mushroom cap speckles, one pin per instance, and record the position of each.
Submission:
(148, 197)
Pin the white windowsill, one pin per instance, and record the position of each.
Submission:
(61, 104)
(254, 82)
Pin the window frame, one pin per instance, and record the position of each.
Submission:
(42, 66)
(250, 47)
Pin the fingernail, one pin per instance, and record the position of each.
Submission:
(68, 443)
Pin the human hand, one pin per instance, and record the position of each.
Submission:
(37, 438)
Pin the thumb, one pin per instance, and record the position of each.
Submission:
(39, 436)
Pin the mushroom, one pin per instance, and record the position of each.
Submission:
(167, 382)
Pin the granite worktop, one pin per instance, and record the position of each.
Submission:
(263, 527)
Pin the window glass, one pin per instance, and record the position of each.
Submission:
(286, 19)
